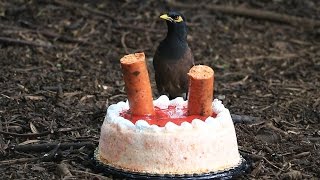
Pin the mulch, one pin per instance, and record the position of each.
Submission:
(59, 71)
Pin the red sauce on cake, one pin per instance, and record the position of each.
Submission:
(162, 116)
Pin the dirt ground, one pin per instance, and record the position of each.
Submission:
(59, 71)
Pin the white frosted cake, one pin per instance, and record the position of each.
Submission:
(194, 146)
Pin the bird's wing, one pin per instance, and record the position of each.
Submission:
(157, 68)
(171, 76)
(188, 62)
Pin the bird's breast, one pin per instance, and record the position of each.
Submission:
(173, 49)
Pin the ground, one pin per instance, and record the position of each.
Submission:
(59, 71)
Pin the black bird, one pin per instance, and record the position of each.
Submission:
(173, 58)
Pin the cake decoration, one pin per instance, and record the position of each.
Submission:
(200, 90)
(137, 84)
(145, 138)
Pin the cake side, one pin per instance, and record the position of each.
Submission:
(197, 147)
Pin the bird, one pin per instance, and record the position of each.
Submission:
(173, 58)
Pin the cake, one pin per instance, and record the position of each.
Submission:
(182, 145)
(168, 137)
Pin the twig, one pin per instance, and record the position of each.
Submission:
(313, 139)
(46, 157)
(301, 155)
(270, 163)
(23, 42)
(253, 13)
(25, 135)
(57, 88)
(273, 57)
(282, 132)
(40, 134)
(293, 174)
(48, 146)
(17, 161)
(258, 157)
(123, 42)
(116, 96)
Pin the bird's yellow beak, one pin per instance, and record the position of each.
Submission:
(166, 17)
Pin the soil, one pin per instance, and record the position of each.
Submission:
(59, 71)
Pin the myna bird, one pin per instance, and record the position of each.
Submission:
(173, 58)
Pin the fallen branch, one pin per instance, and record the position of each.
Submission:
(253, 13)
(40, 134)
(243, 119)
(49, 146)
(52, 155)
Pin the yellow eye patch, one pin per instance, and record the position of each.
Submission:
(178, 19)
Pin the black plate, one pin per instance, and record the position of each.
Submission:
(120, 173)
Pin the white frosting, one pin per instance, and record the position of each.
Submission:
(171, 127)
(197, 123)
(186, 126)
(217, 106)
(142, 125)
(213, 122)
(196, 147)
(162, 102)
(179, 102)
(123, 105)
(223, 118)
(155, 128)
(124, 123)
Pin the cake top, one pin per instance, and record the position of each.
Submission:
(132, 58)
(138, 87)
(222, 119)
(201, 72)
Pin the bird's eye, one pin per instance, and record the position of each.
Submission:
(177, 19)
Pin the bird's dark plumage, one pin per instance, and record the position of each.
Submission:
(173, 58)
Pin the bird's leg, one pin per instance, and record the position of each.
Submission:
(171, 97)
(185, 96)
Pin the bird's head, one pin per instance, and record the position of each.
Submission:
(176, 24)
(173, 17)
